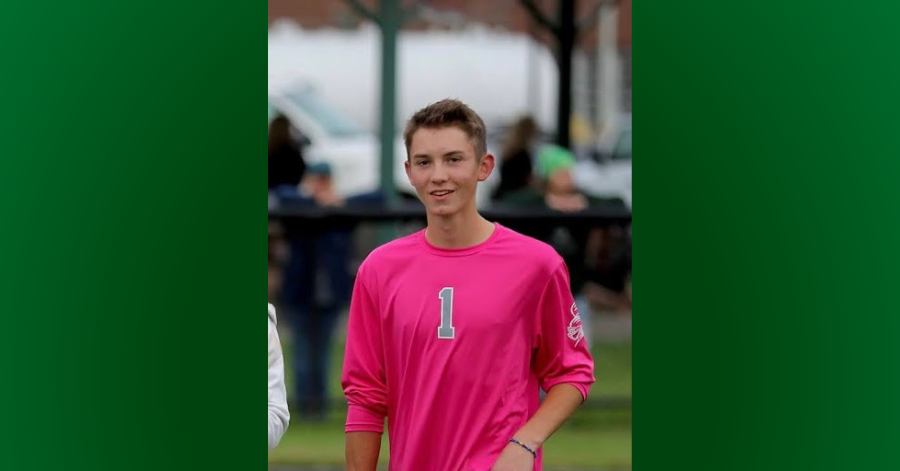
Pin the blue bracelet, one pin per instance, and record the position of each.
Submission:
(530, 450)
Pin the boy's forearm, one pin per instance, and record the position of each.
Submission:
(562, 400)
(362, 450)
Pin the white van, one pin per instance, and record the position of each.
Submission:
(608, 173)
(329, 136)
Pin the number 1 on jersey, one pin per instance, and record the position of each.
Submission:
(446, 330)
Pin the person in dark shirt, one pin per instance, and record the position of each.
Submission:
(516, 167)
(286, 165)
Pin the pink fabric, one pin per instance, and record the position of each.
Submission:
(453, 404)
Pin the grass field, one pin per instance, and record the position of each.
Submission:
(597, 437)
(593, 439)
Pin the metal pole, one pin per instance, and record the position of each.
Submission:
(390, 24)
(566, 47)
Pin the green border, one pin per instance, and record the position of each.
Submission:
(131, 250)
(765, 236)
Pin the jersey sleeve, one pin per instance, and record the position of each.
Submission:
(278, 410)
(363, 376)
(562, 352)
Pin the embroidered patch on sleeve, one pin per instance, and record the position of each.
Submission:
(575, 330)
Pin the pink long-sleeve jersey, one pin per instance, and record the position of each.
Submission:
(452, 347)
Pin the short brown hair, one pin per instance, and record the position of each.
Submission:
(446, 113)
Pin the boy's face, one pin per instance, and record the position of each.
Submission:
(443, 168)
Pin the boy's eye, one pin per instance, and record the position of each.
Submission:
(422, 163)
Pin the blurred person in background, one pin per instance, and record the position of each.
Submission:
(516, 166)
(277, 258)
(318, 185)
(555, 166)
(555, 189)
(551, 186)
(455, 329)
(286, 168)
(279, 417)
(316, 289)
(603, 254)
(607, 286)
(286, 164)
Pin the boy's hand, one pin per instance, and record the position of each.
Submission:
(514, 458)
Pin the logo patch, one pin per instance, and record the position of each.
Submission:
(575, 330)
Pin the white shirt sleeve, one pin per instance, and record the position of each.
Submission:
(278, 410)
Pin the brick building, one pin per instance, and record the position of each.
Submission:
(508, 14)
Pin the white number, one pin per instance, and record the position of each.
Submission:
(446, 330)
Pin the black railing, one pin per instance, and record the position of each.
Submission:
(353, 213)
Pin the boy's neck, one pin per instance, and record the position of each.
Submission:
(458, 231)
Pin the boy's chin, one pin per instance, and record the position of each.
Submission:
(442, 210)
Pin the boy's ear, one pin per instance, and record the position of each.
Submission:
(486, 166)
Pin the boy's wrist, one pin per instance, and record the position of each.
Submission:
(529, 438)
(524, 446)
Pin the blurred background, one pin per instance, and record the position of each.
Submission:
(552, 80)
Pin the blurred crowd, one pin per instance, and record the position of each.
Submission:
(534, 174)
(311, 271)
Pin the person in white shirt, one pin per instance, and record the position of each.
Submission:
(278, 410)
